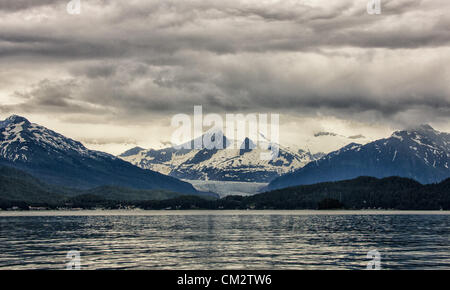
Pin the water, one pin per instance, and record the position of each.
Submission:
(224, 239)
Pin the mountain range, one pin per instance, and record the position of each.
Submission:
(243, 164)
(59, 160)
(421, 153)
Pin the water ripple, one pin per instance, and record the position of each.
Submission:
(233, 241)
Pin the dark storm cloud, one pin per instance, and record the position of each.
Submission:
(359, 136)
(53, 97)
(95, 71)
(157, 57)
(320, 134)
(170, 26)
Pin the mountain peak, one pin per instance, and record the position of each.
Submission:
(59, 160)
(247, 146)
(422, 127)
(421, 153)
(198, 142)
(13, 119)
(426, 127)
(16, 119)
(132, 151)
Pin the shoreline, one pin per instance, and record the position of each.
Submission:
(140, 212)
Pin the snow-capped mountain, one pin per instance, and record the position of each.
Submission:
(420, 153)
(243, 164)
(56, 159)
(24, 141)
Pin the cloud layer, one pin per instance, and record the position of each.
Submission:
(126, 61)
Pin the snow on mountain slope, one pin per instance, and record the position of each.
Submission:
(19, 136)
(56, 159)
(244, 164)
(420, 153)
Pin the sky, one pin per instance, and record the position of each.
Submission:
(115, 74)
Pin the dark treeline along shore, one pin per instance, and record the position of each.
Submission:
(20, 190)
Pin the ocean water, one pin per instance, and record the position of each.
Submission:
(219, 240)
